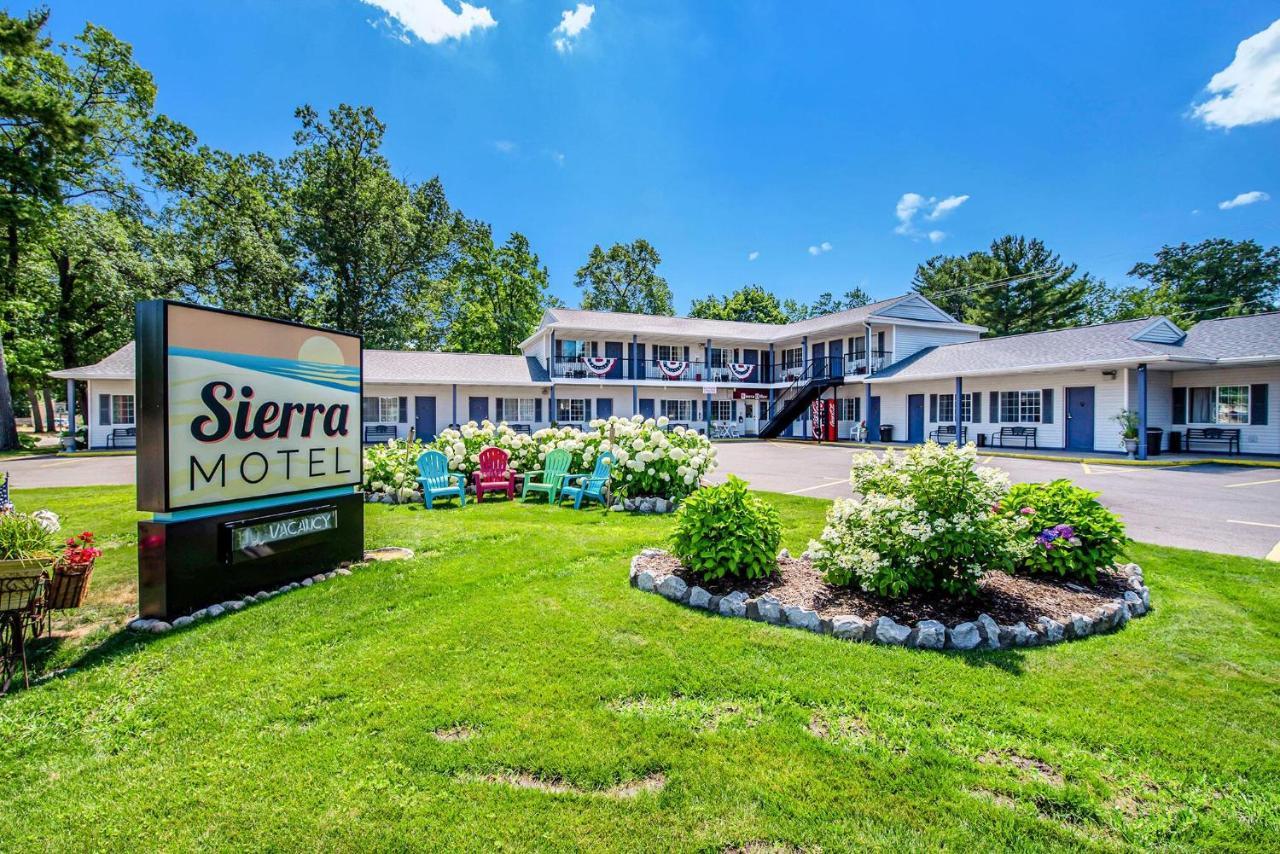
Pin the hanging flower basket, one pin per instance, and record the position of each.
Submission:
(68, 585)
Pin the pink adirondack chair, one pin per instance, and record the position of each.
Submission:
(493, 475)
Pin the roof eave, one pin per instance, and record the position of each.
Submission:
(1047, 368)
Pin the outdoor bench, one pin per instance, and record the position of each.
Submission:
(379, 433)
(1027, 435)
(1215, 436)
(126, 435)
(948, 432)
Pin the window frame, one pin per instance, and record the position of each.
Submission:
(1023, 401)
(789, 364)
(680, 404)
(1215, 404)
(946, 408)
(519, 409)
(667, 353)
(395, 407)
(717, 406)
(569, 402)
(133, 412)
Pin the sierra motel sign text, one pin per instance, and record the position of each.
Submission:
(249, 453)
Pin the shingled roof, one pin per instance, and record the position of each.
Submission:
(415, 368)
(117, 366)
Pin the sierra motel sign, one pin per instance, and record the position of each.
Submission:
(249, 453)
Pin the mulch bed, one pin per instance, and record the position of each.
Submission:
(1007, 598)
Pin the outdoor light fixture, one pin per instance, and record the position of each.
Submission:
(1110, 375)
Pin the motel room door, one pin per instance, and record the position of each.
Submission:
(750, 416)
(1080, 419)
(424, 417)
(915, 418)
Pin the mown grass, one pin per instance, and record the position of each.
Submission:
(420, 704)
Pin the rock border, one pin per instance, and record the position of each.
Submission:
(982, 633)
(645, 505)
(144, 625)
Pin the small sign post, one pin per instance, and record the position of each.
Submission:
(249, 454)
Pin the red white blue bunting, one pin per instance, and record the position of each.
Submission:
(672, 369)
(599, 365)
(741, 371)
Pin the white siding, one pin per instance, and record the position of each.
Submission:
(910, 340)
(1254, 439)
(98, 431)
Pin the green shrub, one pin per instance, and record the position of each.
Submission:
(725, 530)
(28, 535)
(1073, 534)
(924, 520)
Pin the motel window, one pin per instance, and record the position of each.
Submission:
(678, 410)
(1224, 404)
(792, 357)
(849, 409)
(946, 408)
(668, 353)
(721, 410)
(115, 409)
(720, 356)
(573, 409)
(384, 410)
(1018, 406)
(516, 409)
(570, 351)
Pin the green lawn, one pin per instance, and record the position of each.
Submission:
(311, 721)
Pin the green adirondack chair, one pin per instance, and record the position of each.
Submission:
(437, 481)
(550, 478)
(580, 486)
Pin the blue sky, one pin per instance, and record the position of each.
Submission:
(792, 130)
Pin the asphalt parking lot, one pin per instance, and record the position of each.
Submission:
(1217, 508)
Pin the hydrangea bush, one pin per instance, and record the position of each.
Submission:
(649, 460)
(925, 519)
(1072, 533)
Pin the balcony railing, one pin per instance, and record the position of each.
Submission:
(680, 371)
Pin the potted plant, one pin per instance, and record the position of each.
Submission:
(1128, 421)
(71, 572)
(26, 553)
(68, 438)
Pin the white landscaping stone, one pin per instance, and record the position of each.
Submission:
(159, 627)
(318, 577)
(803, 618)
(673, 588)
(233, 605)
(1022, 634)
(141, 624)
(928, 634)
(734, 605)
(769, 608)
(1053, 630)
(784, 553)
(200, 615)
(646, 580)
(1145, 593)
(989, 629)
(182, 622)
(964, 636)
(699, 598)
(216, 610)
(1079, 626)
(849, 627)
(306, 582)
(886, 631)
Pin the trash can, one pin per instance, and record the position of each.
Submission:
(886, 432)
(1175, 441)
(1155, 438)
(982, 440)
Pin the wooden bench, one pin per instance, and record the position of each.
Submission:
(522, 428)
(1215, 436)
(379, 433)
(1026, 435)
(128, 435)
(948, 432)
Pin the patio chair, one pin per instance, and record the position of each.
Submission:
(589, 485)
(493, 474)
(550, 478)
(437, 481)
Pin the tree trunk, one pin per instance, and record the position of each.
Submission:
(50, 417)
(37, 423)
(8, 428)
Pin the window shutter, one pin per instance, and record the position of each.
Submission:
(993, 403)
(1258, 403)
(404, 410)
(976, 406)
(857, 409)
(537, 409)
(104, 409)
(497, 409)
(586, 408)
(1179, 406)
(1046, 406)
(933, 408)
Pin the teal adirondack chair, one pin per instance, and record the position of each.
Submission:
(580, 486)
(437, 481)
(550, 478)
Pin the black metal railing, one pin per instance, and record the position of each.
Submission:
(688, 371)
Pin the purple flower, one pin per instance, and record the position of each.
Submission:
(1046, 537)
(1065, 531)
(1027, 511)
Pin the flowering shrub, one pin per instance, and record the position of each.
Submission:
(925, 520)
(725, 530)
(649, 460)
(28, 535)
(1073, 534)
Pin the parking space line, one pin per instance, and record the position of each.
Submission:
(1086, 468)
(1258, 524)
(819, 486)
(1253, 483)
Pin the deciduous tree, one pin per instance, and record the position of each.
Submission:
(625, 278)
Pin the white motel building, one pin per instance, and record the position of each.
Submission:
(900, 369)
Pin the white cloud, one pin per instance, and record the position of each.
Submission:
(573, 22)
(820, 248)
(505, 146)
(1252, 197)
(434, 21)
(1247, 91)
(753, 255)
(558, 157)
(912, 204)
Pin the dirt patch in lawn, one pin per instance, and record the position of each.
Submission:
(1007, 598)
(1033, 767)
(461, 732)
(557, 786)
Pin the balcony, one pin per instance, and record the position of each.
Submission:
(675, 371)
(862, 364)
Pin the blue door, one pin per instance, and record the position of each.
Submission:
(646, 407)
(478, 408)
(873, 420)
(915, 418)
(818, 353)
(604, 407)
(613, 350)
(424, 417)
(1080, 418)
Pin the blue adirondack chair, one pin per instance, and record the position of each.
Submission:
(580, 486)
(437, 481)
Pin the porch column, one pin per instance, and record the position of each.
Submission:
(551, 357)
(866, 332)
(631, 359)
(635, 400)
(866, 410)
(455, 404)
(773, 374)
(1142, 411)
(804, 354)
(71, 406)
(551, 412)
(959, 420)
(707, 412)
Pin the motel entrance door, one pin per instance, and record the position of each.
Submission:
(750, 417)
